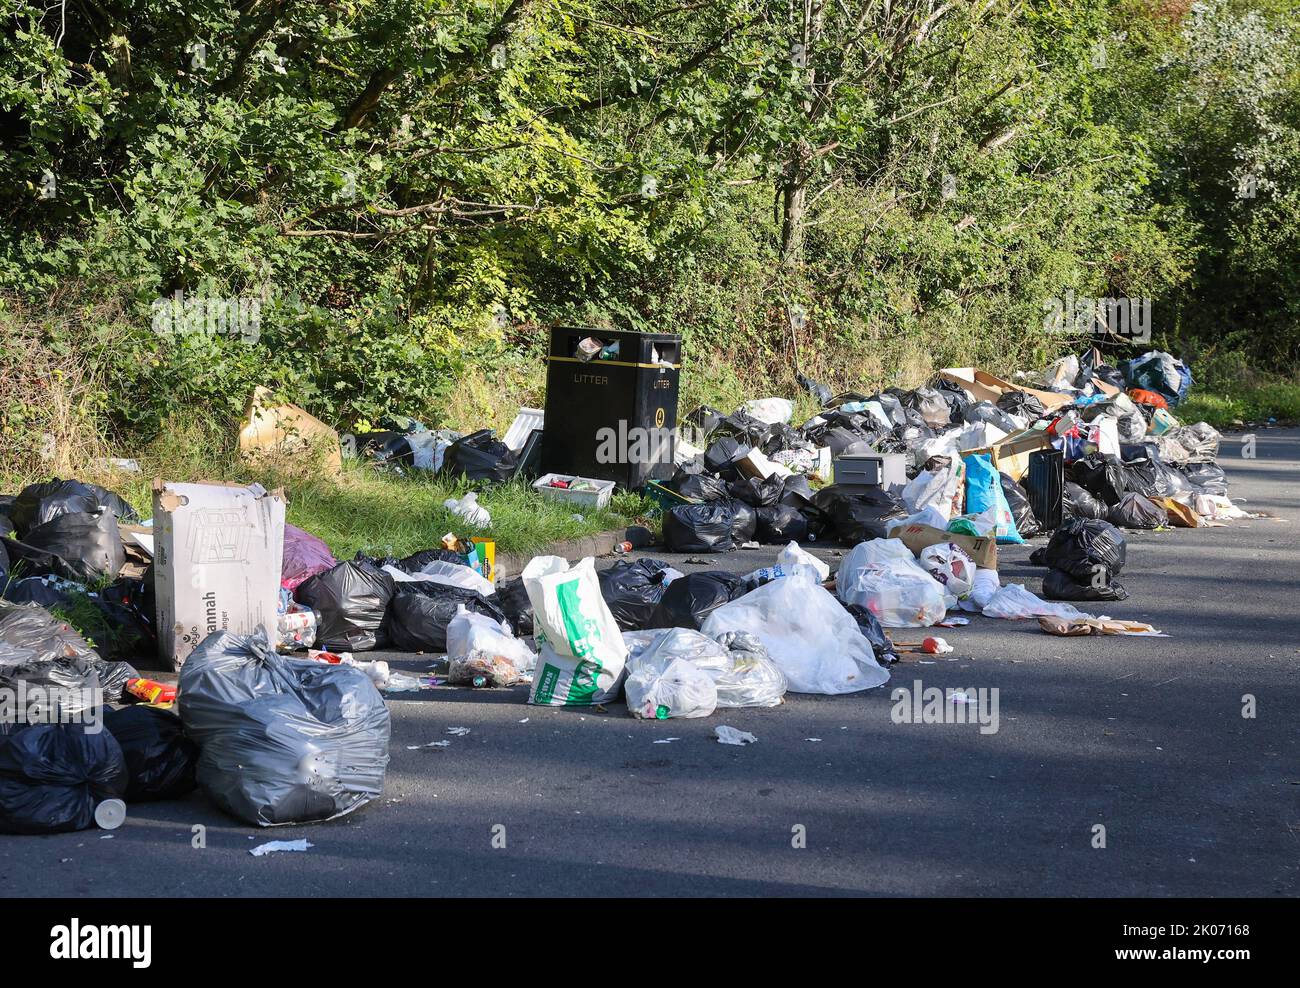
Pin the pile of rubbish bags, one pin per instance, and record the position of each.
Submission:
(404, 445)
(744, 478)
(281, 725)
(961, 446)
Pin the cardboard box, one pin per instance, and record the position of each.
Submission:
(1011, 455)
(986, 387)
(983, 550)
(755, 464)
(218, 550)
(286, 430)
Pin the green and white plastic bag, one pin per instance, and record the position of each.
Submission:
(581, 654)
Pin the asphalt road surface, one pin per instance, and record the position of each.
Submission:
(1145, 738)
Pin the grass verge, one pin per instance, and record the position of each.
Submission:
(1242, 404)
(367, 509)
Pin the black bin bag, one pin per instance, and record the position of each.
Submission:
(480, 456)
(780, 524)
(1018, 501)
(512, 598)
(80, 546)
(40, 650)
(1101, 475)
(282, 740)
(856, 516)
(52, 776)
(633, 591)
(37, 504)
(702, 487)
(421, 611)
(1059, 585)
(701, 527)
(1207, 478)
(881, 644)
(1084, 549)
(1078, 503)
(160, 759)
(690, 599)
(350, 602)
(1136, 511)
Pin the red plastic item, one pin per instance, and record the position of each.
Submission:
(151, 691)
(1144, 397)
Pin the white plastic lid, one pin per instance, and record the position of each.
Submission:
(110, 814)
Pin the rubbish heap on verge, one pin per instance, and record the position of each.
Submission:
(278, 722)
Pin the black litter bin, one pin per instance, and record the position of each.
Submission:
(611, 414)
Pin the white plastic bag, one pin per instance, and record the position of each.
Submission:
(876, 552)
(813, 640)
(986, 584)
(677, 689)
(771, 411)
(470, 631)
(753, 680)
(429, 449)
(929, 516)
(934, 489)
(469, 509)
(1014, 602)
(884, 577)
(581, 650)
(447, 573)
(674, 676)
(792, 556)
(1062, 373)
(949, 563)
(944, 444)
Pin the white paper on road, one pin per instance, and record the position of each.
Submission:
(271, 847)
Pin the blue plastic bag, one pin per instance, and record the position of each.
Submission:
(1160, 372)
(984, 491)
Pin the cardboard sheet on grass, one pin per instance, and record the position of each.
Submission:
(983, 550)
(218, 550)
(286, 430)
(986, 387)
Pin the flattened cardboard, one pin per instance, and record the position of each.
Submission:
(286, 430)
(1011, 455)
(983, 550)
(986, 387)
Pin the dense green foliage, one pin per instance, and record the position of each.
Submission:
(412, 189)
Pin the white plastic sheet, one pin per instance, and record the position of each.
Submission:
(773, 411)
(1014, 602)
(812, 639)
